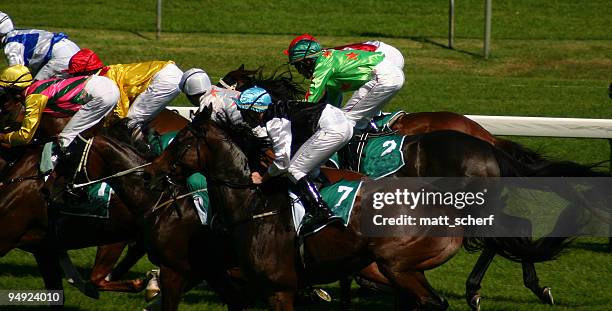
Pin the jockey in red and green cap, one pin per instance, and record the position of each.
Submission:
(374, 78)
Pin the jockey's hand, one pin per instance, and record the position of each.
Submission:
(256, 178)
(3, 142)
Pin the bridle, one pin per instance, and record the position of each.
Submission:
(228, 86)
(200, 137)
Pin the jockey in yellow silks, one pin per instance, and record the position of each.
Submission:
(86, 99)
(146, 88)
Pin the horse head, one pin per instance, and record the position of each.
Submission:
(220, 150)
(239, 79)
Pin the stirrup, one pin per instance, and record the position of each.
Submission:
(310, 225)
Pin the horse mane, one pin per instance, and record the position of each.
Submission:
(243, 136)
(279, 84)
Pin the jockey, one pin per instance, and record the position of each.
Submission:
(303, 136)
(392, 54)
(86, 99)
(371, 75)
(46, 54)
(196, 85)
(145, 88)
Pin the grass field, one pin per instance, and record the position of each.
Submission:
(549, 58)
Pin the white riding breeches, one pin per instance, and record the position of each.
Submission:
(162, 89)
(101, 95)
(392, 54)
(58, 64)
(369, 99)
(334, 131)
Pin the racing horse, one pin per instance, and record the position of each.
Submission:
(425, 122)
(172, 233)
(21, 185)
(259, 220)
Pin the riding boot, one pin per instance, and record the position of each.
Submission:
(348, 155)
(139, 138)
(318, 213)
(371, 128)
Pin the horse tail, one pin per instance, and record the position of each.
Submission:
(523, 248)
(519, 152)
(519, 249)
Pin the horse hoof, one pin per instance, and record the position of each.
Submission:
(475, 303)
(322, 294)
(152, 290)
(547, 296)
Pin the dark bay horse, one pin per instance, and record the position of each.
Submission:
(266, 245)
(167, 220)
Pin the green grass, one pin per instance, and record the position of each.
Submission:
(549, 58)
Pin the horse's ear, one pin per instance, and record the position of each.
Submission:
(207, 111)
(241, 67)
(202, 115)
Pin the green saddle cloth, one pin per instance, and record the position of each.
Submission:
(96, 204)
(382, 156)
(340, 197)
(97, 196)
(386, 119)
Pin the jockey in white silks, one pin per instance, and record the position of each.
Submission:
(46, 54)
(198, 89)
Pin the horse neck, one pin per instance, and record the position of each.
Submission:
(50, 127)
(229, 178)
(109, 157)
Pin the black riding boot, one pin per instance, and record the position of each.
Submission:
(139, 135)
(317, 212)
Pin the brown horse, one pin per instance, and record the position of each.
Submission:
(266, 245)
(27, 166)
(172, 233)
(426, 122)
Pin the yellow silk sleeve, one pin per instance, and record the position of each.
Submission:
(35, 104)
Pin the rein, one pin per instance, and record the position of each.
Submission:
(174, 199)
(24, 178)
(83, 163)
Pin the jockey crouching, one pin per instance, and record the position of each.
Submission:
(303, 135)
(145, 88)
(86, 99)
(374, 78)
(45, 53)
(196, 85)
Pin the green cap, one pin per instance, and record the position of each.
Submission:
(304, 49)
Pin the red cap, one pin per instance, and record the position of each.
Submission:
(84, 60)
(297, 39)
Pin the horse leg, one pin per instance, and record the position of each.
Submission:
(173, 284)
(50, 270)
(345, 293)
(134, 253)
(281, 301)
(472, 285)
(106, 257)
(531, 281)
(411, 284)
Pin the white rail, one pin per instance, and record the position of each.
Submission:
(522, 126)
